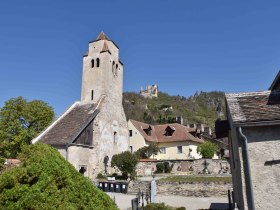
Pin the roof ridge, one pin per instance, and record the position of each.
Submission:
(33, 141)
(102, 36)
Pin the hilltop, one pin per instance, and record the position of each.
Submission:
(202, 107)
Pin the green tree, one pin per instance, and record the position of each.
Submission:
(147, 152)
(207, 149)
(20, 122)
(45, 180)
(126, 162)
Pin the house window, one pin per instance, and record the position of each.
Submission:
(131, 148)
(130, 132)
(115, 137)
(97, 62)
(92, 63)
(82, 169)
(113, 66)
(117, 66)
(162, 150)
(179, 149)
(91, 94)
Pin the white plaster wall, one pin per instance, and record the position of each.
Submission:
(264, 145)
(136, 140)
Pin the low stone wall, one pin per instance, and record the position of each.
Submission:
(212, 189)
(215, 167)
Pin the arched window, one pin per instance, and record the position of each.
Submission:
(92, 63)
(115, 137)
(113, 66)
(92, 94)
(117, 67)
(97, 62)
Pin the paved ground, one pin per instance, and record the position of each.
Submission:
(191, 203)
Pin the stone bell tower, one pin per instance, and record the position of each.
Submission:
(102, 71)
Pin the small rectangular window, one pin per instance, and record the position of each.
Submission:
(130, 132)
(179, 149)
(162, 150)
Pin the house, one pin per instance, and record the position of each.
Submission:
(253, 127)
(175, 141)
(92, 130)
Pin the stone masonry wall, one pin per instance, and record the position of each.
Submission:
(212, 189)
(195, 167)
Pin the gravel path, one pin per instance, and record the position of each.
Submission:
(191, 203)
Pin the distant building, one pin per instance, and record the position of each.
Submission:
(175, 141)
(92, 130)
(150, 92)
(253, 126)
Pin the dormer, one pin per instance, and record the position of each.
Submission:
(169, 131)
(148, 130)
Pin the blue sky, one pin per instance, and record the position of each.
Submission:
(183, 46)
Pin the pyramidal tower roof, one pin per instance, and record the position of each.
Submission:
(102, 36)
(105, 48)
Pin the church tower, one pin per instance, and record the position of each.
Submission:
(102, 71)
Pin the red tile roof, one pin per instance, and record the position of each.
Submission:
(158, 132)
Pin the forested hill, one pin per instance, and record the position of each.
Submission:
(202, 107)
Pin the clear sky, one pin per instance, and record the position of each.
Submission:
(183, 46)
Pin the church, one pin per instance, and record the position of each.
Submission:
(92, 130)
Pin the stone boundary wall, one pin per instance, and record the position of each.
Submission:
(214, 166)
(212, 189)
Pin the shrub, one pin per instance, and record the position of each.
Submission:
(126, 163)
(167, 167)
(100, 176)
(45, 180)
(207, 149)
(160, 168)
(161, 206)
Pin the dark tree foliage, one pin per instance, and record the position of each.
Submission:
(126, 162)
(147, 152)
(20, 122)
(45, 180)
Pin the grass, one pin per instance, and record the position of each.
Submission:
(193, 179)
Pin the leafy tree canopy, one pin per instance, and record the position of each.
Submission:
(126, 162)
(147, 152)
(207, 149)
(45, 180)
(20, 122)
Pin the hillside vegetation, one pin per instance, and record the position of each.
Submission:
(202, 107)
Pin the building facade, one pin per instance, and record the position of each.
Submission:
(253, 126)
(92, 130)
(175, 142)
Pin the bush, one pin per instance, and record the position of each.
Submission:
(163, 167)
(207, 149)
(160, 168)
(167, 167)
(157, 206)
(161, 206)
(100, 176)
(126, 163)
(45, 180)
